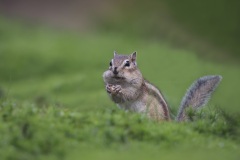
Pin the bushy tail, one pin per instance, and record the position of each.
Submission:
(198, 94)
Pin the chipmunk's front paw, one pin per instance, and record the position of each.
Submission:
(109, 88)
(113, 89)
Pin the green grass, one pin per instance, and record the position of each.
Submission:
(54, 106)
(52, 132)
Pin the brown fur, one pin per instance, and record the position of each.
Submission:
(132, 91)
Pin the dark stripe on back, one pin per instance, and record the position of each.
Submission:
(161, 101)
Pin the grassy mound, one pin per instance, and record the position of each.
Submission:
(30, 131)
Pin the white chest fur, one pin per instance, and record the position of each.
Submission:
(136, 106)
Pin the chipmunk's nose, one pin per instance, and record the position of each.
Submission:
(115, 70)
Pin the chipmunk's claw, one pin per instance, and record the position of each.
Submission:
(113, 89)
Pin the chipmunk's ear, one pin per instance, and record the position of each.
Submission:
(114, 53)
(133, 57)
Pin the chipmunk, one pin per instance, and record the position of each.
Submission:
(130, 91)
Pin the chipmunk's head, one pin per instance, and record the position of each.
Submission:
(123, 67)
(121, 63)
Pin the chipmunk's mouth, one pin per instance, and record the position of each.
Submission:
(117, 77)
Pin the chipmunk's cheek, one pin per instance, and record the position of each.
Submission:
(107, 75)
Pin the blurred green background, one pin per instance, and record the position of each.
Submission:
(53, 54)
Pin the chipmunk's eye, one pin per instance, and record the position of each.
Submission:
(127, 64)
(110, 63)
